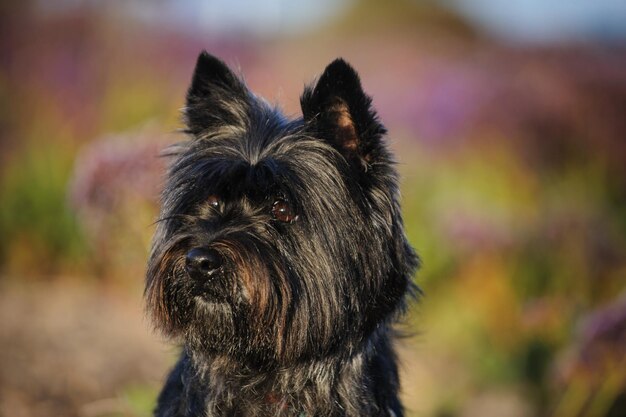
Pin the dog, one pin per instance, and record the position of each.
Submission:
(280, 262)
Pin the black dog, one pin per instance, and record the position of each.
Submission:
(280, 259)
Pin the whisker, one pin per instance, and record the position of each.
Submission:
(172, 217)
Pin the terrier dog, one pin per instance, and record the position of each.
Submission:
(280, 259)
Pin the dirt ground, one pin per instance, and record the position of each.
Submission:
(76, 350)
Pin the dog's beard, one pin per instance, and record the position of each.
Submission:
(244, 309)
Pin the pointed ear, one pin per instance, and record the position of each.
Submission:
(341, 112)
(216, 97)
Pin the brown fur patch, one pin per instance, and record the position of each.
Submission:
(155, 292)
(268, 294)
(345, 131)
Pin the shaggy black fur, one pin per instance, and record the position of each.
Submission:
(280, 260)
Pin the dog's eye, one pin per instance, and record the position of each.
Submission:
(282, 211)
(214, 201)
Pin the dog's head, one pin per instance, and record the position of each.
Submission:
(278, 240)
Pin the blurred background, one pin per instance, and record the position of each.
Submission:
(509, 122)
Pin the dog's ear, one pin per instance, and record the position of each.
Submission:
(216, 97)
(341, 113)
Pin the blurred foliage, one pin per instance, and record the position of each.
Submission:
(513, 167)
(140, 399)
(39, 232)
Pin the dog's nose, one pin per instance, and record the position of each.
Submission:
(201, 262)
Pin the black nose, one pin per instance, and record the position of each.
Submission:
(201, 263)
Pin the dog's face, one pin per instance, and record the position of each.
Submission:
(279, 240)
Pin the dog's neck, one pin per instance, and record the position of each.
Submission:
(314, 387)
(280, 391)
